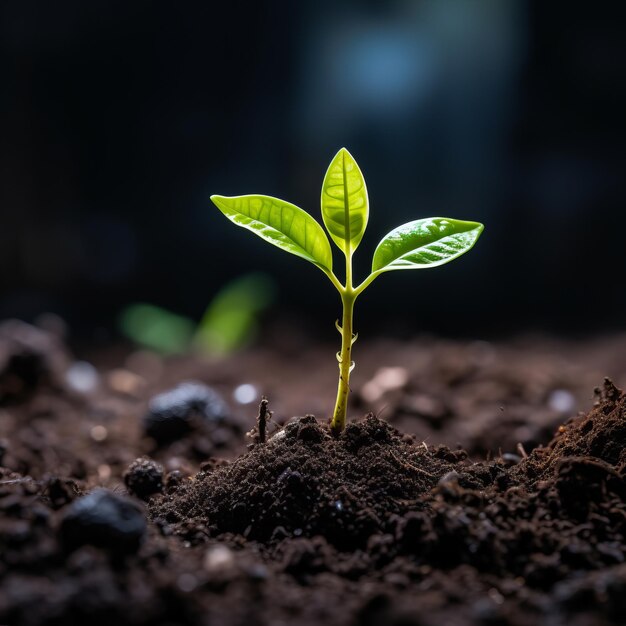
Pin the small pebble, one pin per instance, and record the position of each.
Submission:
(218, 558)
(385, 379)
(82, 377)
(98, 433)
(106, 520)
(125, 382)
(104, 472)
(245, 394)
(171, 413)
(562, 401)
(511, 459)
(450, 477)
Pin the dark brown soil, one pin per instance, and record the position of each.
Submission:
(305, 483)
(373, 527)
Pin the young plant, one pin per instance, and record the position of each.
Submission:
(345, 207)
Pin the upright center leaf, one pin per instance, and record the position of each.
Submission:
(345, 207)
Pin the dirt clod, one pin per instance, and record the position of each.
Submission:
(106, 520)
(144, 478)
(174, 413)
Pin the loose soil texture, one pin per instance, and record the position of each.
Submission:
(102, 521)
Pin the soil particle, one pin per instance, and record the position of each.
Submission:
(103, 519)
(144, 478)
(60, 491)
(173, 413)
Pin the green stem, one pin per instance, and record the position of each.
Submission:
(348, 296)
(366, 283)
(344, 357)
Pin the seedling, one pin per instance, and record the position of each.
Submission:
(345, 208)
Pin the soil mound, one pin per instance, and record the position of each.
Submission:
(304, 482)
(599, 436)
(549, 517)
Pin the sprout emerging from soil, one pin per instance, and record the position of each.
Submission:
(345, 208)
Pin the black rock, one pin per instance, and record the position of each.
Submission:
(172, 414)
(144, 477)
(106, 520)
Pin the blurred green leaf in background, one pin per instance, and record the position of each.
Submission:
(229, 323)
(231, 319)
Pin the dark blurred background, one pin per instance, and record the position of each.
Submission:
(118, 119)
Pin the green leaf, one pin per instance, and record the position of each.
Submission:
(231, 319)
(281, 223)
(156, 328)
(345, 206)
(425, 243)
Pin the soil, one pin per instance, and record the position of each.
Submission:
(488, 486)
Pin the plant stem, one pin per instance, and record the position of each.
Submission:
(348, 296)
(344, 357)
(366, 283)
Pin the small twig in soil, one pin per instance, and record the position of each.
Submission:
(521, 451)
(408, 465)
(262, 418)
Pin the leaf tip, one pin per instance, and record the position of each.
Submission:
(218, 200)
(470, 225)
(342, 153)
(345, 152)
(475, 227)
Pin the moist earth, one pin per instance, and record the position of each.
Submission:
(103, 522)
